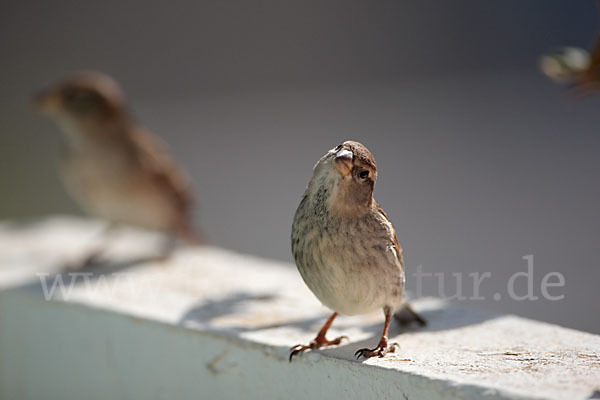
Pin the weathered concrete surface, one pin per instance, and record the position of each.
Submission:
(210, 323)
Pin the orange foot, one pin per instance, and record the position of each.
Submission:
(380, 351)
(320, 341)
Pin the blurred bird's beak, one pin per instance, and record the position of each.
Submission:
(46, 100)
(343, 161)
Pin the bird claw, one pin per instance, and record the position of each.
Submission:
(335, 341)
(315, 344)
(380, 351)
(297, 350)
(91, 260)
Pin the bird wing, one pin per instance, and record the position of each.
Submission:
(595, 52)
(154, 160)
(396, 244)
(405, 313)
(594, 57)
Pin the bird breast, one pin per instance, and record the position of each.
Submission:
(108, 185)
(350, 264)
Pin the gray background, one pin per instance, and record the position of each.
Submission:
(482, 160)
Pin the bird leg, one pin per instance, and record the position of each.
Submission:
(383, 347)
(94, 255)
(319, 341)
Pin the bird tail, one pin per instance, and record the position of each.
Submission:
(188, 232)
(407, 315)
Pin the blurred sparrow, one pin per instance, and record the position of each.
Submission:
(575, 67)
(345, 246)
(111, 165)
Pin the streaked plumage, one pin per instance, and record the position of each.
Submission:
(111, 165)
(344, 244)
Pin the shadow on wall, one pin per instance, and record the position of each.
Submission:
(244, 305)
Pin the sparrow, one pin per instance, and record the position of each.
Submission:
(111, 165)
(575, 67)
(345, 246)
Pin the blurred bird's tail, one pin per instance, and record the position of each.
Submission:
(406, 315)
(188, 232)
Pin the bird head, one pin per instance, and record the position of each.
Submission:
(347, 173)
(82, 96)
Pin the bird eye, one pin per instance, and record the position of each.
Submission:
(70, 95)
(363, 174)
(338, 147)
(81, 100)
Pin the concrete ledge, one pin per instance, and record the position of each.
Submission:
(211, 323)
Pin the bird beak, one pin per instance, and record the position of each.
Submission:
(343, 161)
(46, 100)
